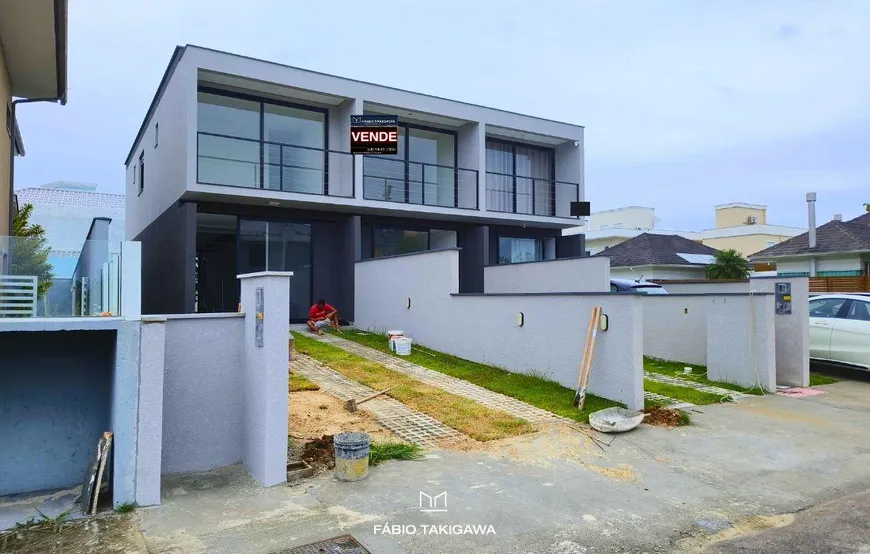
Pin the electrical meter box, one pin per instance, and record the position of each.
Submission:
(783, 298)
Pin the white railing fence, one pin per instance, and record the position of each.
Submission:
(18, 295)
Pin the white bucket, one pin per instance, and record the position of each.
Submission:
(392, 335)
(403, 345)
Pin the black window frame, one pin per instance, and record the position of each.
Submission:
(513, 150)
(262, 101)
(141, 171)
(406, 162)
(537, 239)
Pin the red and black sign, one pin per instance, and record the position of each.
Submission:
(374, 134)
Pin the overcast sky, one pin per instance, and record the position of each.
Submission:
(686, 103)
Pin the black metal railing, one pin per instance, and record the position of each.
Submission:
(409, 182)
(529, 195)
(252, 163)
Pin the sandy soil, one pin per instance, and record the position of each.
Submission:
(315, 413)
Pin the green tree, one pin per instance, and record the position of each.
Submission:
(728, 264)
(30, 250)
(867, 207)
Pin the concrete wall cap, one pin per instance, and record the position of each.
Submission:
(265, 274)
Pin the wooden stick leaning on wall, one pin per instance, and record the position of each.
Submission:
(585, 356)
(580, 397)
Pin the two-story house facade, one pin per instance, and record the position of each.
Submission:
(243, 165)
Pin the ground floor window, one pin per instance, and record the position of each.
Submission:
(392, 241)
(516, 250)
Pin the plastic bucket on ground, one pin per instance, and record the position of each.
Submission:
(391, 336)
(403, 345)
(351, 456)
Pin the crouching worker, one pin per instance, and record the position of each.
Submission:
(322, 315)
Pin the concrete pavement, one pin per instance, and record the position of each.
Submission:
(653, 490)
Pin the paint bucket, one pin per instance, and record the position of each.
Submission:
(351, 456)
(391, 335)
(403, 345)
(687, 370)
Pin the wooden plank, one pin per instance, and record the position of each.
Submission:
(104, 457)
(90, 484)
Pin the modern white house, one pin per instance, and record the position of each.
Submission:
(243, 165)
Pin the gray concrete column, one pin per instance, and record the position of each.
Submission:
(124, 412)
(265, 300)
(149, 455)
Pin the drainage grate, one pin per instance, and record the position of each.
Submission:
(337, 545)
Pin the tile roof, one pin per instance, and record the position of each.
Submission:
(38, 195)
(652, 249)
(831, 238)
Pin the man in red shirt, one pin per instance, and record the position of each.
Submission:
(322, 315)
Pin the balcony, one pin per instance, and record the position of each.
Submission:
(249, 163)
(528, 195)
(409, 182)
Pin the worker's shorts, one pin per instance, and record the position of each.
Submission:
(322, 323)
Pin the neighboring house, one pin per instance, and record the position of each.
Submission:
(610, 227)
(842, 249)
(744, 227)
(66, 210)
(654, 256)
(243, 165)
(33, 66)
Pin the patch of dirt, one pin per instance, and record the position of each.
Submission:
(662, 417)
(102, 534)
(315, 417)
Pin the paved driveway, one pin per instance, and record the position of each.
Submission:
(738, 470)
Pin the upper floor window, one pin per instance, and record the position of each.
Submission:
(519, 178)
(141, 171)
(516, 250)
(245, 141)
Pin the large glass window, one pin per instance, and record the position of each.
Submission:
(423, 171)
(391, 241)
(519, 178)
(517, 250)
(231, 144)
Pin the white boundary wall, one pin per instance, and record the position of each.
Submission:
(565, 275)
(484, 328)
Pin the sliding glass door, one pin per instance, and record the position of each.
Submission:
(279, 246)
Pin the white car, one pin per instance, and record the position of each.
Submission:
(840, 329)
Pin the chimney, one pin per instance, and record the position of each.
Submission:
(838, 217)
(811, 219)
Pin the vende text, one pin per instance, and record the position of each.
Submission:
(374, 136)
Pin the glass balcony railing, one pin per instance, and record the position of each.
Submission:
(240, 162)
(528, 195)
(36, 282)
(419, 183)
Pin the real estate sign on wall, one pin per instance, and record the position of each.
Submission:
(374, 134)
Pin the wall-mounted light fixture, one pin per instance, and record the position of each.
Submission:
(408, 303)
(520, 319)
(604, 322)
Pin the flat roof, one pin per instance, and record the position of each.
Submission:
(740, 205)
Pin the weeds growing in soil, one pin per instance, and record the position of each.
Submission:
(383, 451)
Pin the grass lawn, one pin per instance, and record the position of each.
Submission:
(300, 382)
(699, 374)
(683, 394)
(817, 379)
(383, 451)
(457, 412)
(537, 391)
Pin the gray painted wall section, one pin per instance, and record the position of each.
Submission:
(150, 417)
(203, 399)
(675, 328)
(265, 373)
(53, 407)
(484, 328)
(741, 345)
(568, 275)
(792, 331)
(124, 412)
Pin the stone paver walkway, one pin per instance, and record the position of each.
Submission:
(408, 424)
(485, 397)
(666, 400)
(668, 380)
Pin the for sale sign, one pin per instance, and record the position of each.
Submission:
(374, 134)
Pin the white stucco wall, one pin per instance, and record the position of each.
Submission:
(172, 163)
(675, 327)
(792, 331)
(484, 328)
(741, 345)
(839, 263)
(565, 275)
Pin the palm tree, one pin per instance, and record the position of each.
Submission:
(728, 264)
(867, 207)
